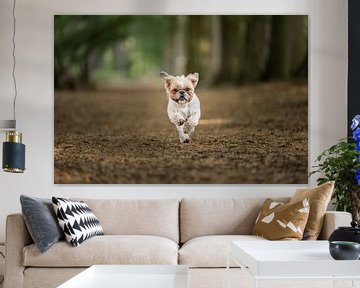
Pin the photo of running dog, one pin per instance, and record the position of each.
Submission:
(181, 99)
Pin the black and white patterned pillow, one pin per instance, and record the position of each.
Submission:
(77, 220)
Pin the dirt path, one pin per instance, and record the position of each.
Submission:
(248, 135)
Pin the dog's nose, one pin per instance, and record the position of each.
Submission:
(182, 92)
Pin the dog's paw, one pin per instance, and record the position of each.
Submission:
(185, 139)
(180, 121)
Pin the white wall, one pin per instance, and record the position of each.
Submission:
(328, 54)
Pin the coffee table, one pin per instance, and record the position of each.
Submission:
(131, 276)
(292, 260)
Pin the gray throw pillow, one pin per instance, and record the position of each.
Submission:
(41, 221)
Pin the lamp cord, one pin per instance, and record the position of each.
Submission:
(14, 61)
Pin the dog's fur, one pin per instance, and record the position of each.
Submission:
(183, 106)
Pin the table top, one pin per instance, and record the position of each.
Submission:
(291, 259)
(131, 276)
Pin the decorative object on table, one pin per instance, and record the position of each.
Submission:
(279, 221)
(41, 221)
(77, 220)
(319, 198)
(351, 233)
(344, 250)
(13, 149)
(341, 163)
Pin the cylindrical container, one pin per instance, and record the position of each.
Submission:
(13, 153)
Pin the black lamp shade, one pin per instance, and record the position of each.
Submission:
(13, 157)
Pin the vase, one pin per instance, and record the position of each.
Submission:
(347, 233)
(343, 250)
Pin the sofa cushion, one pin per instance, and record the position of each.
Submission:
(211, 251)
(41, 221)
(107, 249)
(77, 220)
(279, 221)
(201, 217)
(158, 217)
(319, 198)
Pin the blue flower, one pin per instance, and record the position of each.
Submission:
(355, 122)
(357, 176)
(356, 134)
(357, 147)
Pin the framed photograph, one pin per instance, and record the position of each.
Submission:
(181, 99)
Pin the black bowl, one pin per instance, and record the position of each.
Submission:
(344, 250)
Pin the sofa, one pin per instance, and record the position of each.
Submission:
(194, 232)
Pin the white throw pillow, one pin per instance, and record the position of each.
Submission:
(76, 220)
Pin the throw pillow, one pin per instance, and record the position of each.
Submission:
(41, 222)
(77, 220)
(319, 198)
(279, 221)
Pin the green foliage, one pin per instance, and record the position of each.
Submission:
(339, 163)
(93, 49)
(78, 40)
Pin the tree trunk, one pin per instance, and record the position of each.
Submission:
(355, 201)
(289, 46)
(180, 45)
(299, 43)
(216, 48)
(176, 55)
(231, 49)
(257, 48)
(279, 64)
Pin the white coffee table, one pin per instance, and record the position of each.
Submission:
(131, 276)
(292, 260)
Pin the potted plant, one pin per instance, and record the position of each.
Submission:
(341, 163)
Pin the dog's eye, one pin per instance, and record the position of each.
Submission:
(174, 90)
(187, 89)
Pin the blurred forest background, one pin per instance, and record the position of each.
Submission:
(92, 50)
(111, 124)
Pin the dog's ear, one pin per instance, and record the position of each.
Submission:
(194, 78)
(165, 75)
(167, 78)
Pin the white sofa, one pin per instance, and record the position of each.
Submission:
(194, 232)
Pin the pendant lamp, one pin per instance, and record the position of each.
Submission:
(13, 160)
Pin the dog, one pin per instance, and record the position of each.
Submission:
(183, 105)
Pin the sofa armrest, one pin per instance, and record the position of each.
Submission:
(17, 237)
(333, 220)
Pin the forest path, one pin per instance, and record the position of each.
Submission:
(250, 134)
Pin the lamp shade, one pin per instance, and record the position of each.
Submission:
(13, 153)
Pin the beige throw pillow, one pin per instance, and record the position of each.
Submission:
(319, 198)
(279, 221)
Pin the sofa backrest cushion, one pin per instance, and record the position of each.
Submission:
(159, 217)
(200, 217)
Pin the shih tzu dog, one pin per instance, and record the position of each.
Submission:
(184, 106)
